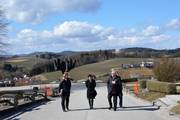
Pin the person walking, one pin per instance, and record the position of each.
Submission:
(64, 91)
(120, 90)
(113, 89)
(91, 92)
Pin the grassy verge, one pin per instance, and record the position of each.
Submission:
(151, 96)
(176, 109)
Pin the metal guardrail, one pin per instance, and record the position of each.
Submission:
(177, 84)
(10, 96)
(13, 99)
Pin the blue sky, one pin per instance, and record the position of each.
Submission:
(58, 25)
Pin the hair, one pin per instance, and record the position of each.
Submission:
(117, 73)
(65, 73)
(113, 70)
(90, 75)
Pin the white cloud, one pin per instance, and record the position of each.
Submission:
(151, 30)
(77, 35)
(35, 11)
(82, 31)
(129, 31)
(73, 29)
(174, 23)
(160, 38)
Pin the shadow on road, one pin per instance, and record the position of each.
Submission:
(83, 109)
(127, 108)
(11, 114)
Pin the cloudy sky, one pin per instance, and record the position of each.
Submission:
(58, 25)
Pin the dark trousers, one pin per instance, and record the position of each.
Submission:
(120, 100)
(91, 101)
(65, 102)
(114, 100)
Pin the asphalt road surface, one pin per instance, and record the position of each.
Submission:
(134, 109)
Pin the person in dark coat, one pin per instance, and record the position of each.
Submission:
(91, 92)
(113, 89)
(64, 91)
(120, 89)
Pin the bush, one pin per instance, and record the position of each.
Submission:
(142, 84)
(167, 70)
(47, 66)
(163, 87)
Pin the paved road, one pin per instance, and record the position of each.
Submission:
(135, 109)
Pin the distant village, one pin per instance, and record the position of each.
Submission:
(20, 81)
(144, 64)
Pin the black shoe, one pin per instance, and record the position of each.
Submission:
(64, 110)
(110, 108)
(67, 109)
(91, 107)
(115, 109)
(120, 106)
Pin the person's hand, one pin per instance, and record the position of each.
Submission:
(59, 94)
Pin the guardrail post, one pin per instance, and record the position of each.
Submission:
(16, 102)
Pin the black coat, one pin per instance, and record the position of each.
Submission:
(91, 92)
(65, 87)
(114, 85)
(120, 87)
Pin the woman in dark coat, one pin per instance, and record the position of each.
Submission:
(91, 92)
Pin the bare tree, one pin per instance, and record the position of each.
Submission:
(3, 30)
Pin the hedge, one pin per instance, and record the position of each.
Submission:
(142, 84)
(163, 87)
(129, 80)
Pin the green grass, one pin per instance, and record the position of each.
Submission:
(27, 63)
(81, 72)
(95, 68)
(53, 75)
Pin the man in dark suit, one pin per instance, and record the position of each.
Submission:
(113, 86)
(64, 91)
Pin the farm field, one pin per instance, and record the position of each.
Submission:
(98, 69)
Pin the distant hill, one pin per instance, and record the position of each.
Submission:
(68, 53)
(148, 52)
(54, 54)
(138, 49)
(141, 49)
(49, 61)
(125, 52)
